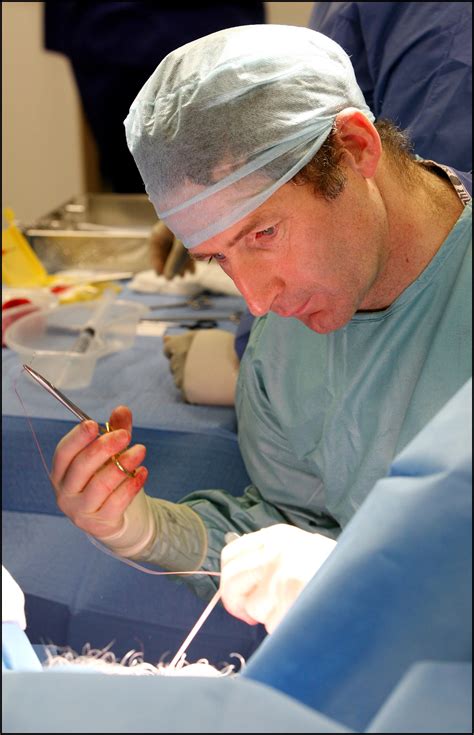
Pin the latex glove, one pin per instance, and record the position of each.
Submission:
(176, 348)
(204, 365)
(90, 489)
(263, 573)
(168, 255)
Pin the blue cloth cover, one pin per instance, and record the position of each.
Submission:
(431, 697)
(413, 62)
(67, 701)
(17, 651)
(396, 590)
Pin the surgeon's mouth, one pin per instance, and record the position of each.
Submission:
(302, 311)
(288, 312)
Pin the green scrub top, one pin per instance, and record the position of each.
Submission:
(321, 417)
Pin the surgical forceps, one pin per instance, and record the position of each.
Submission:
(81, 415)
(201, 301)
(231, 316)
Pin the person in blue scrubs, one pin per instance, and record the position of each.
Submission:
(360, 288)
(413, 63)
(112, 47)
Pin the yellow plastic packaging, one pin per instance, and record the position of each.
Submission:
(21, 268)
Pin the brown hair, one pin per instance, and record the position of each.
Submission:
(327, 174)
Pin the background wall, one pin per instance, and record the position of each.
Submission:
(47, 155)
(41, 141)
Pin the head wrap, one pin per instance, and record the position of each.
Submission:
(226, 120)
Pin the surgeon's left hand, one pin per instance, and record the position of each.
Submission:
(264, 572)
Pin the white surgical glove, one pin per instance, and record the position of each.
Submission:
(204, 365)
(13, 600)
(264, 572)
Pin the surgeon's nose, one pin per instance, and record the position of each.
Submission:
(258, 287)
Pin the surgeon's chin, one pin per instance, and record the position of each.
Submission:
(322, 322)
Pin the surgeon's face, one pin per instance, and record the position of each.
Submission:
(301, 256)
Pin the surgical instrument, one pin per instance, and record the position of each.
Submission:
(201, 301)
(89, 331)
(229, 537)
(232, 316)
(196, 627)
(81, 415)
(199, 324)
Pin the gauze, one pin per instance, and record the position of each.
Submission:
(226, 120)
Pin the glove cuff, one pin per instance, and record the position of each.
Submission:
(211, 368)
(137, 530)
(170, 535)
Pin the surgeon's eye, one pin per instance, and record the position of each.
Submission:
(268, 232)
(219, 257)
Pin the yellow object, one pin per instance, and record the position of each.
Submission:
(86, 291)
(21, 268)
(20, 265)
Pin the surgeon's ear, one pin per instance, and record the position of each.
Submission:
(360, 140)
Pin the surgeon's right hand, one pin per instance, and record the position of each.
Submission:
(90, 489)
(263, 573)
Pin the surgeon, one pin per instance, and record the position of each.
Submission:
(258, 150)
(413, 63)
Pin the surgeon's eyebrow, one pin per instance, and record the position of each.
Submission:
(251, 225)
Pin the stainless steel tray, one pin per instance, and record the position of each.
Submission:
(95, 232)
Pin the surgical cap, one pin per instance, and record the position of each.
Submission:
(226, 120)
